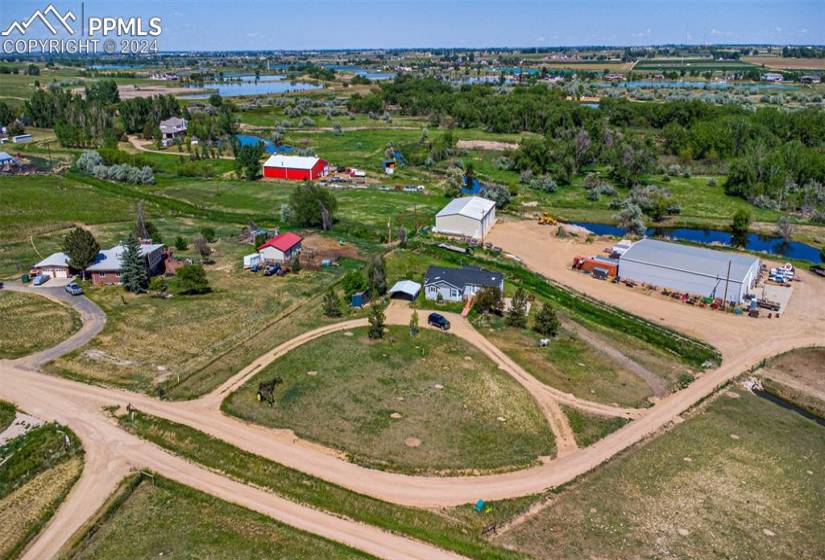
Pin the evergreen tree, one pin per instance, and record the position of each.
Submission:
(376, 319)
(517, 314)
(295, 263)
(414, 323)
(546, 321)
(376, 276)
(81, 248)
(134, 275)
(332, 305)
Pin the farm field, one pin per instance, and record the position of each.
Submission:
(194, 332)
(386, 403)
(728, 482)
(33, 323)
(161, 518)
(698, 64)
(37, 470)
(786, 63)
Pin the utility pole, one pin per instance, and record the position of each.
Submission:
(727, 280)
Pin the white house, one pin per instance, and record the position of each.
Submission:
(457, 284)
(469, 216)
(172, 128)
(55, 265)
(280, 248)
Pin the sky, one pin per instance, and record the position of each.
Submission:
(340, 24)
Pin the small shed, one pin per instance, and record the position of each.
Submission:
(360, 299)
(405, 289)
(251, 261)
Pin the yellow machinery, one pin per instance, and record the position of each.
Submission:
(546, 219)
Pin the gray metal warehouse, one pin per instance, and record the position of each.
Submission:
(694, 270)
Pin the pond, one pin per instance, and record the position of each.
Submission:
(754, 241)
(370, 74)
(269, 145)
(249, 85)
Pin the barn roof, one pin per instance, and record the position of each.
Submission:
(283, 242)
(686, 258)
(291, 162)
(473, 207)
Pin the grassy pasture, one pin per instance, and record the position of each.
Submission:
(37, 470)
(589, 428)
(726, 483)
(700, 64)
(434, 380)
(456, 529)
(162, 518)
(32, 323)
(154, 345)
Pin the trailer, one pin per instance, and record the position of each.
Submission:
(252, 261)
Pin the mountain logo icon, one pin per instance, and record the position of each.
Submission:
(43, 16)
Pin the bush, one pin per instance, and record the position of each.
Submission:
(191, 279)
(208, 233)
(181, 244)
(684, 380)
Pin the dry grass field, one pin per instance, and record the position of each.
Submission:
(782, 63)
(32, 323)
(425, 404)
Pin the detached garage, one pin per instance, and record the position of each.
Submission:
(55, 265)
(693, 270)
(470, 216)
(295, 168)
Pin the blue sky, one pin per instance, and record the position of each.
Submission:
(326, 24)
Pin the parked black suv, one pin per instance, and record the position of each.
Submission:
(439, 321)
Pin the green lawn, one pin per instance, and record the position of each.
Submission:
(589, 428)
(37, 471)
(456, 529)
(344, 391)
(159, 518)
(33, 323)
(742, 478)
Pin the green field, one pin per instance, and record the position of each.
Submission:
(344, 390)
(697, 64)
(589, 428)
(742, 478)
(33, 323)
(154, 518)
(37, 470)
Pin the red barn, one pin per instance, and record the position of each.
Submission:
(296, 168)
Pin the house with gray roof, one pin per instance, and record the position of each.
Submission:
(458, 284)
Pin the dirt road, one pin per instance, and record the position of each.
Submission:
(743, 343)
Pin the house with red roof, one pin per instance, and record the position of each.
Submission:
(280, 248)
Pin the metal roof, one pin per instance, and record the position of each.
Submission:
(406, 287)
(283, 242)
(112, 259)
(471, 206)
(291, 162)
(55, 259)
(461, 277)
(686, 258)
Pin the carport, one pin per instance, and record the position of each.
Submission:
(405, 289)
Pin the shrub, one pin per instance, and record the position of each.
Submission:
(191, 279)
(684, 380)
(208, 233)
(181, 244)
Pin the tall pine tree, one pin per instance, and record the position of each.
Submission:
(133, 273)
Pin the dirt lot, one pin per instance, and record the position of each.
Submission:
(486, 145)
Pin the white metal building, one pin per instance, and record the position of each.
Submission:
(470, 216)
(693, 270)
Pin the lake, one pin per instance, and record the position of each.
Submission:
(269, 145)
(249, 85)
(755, 242)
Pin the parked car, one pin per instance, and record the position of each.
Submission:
(439, 321)
(273, 269)
(74, 289)
(40, 279)
(1, 285)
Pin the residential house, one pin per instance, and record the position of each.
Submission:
(108, 265)
(810, 79)
(172, 129)
(772, 77)
(458, 284)
(55, 265)
(280, 248)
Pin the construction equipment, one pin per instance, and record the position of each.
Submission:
(547, 219)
